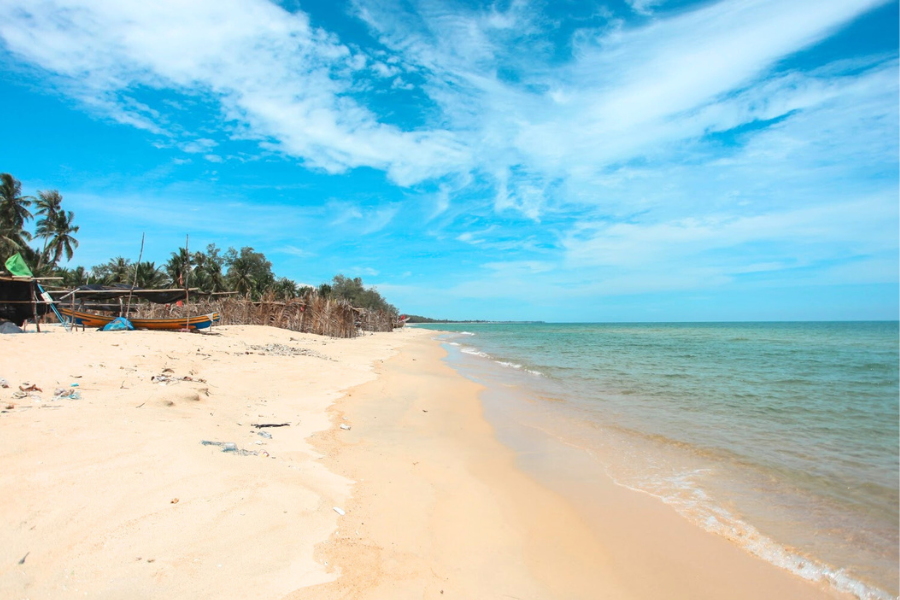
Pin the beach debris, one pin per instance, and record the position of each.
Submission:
(22, 560)
(29, 387)
(261, 425)
(230, 447)
(10, 406)
(339, 511)
(66, 394)
(284, 350)
(345, 427)
(173, 501)
(264, 434)
(165, 377)
(19, 395)
(74, 385)
(3, 383)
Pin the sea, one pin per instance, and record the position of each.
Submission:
(782, 437)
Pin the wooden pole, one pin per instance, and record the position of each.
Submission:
(134, 281)
(186, 269)
(37, 323)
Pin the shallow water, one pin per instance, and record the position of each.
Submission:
(780, 436)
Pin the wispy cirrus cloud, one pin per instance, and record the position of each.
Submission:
(627, 93)
(830, 232)
(277, 78)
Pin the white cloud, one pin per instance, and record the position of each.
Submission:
(643, 7)
(273, 73)
(379, 218)
(288, 83)
(727, 245)
(199, 146)
(647, 93)
(295, 251)
(619, 133)
(383, 70)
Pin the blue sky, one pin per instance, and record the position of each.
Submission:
(643, 160)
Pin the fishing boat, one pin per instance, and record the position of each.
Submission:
(92, 320)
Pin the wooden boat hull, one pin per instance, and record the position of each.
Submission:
(91, 320)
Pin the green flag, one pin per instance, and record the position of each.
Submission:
(15, 264)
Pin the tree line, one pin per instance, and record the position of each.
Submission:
(245, 271)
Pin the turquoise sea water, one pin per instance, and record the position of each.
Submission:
(781, 436)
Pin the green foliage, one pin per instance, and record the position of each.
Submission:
(207, 274)
(117, 270)
(420, 319)
(146, 275)
(74, 277)
(246, 271)
(60, 240)
(249, 273)
(54, 225)
(176, 266)
(14, 214)
(354, 292)
(285, 289)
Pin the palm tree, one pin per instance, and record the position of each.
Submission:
(13, 214)
(147, 275)
(284, 289)
(49, 205)
(10, 243)
(62, 241)
(74, 277)
(240, 276)
(117, 270)
(208, 272)
(177, 265)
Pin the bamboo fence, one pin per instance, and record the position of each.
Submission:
(313, 314)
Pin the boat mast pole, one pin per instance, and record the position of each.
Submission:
(134, 281)
(186, 269)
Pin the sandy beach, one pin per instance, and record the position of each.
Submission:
(115, 495)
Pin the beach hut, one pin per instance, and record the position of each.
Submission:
(20, 299)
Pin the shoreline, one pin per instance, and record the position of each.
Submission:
(114, 494)
(533, 405)
(439, 509)
(628, 544)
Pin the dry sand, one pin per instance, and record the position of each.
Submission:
(114, 496)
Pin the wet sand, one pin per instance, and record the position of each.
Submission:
(440, 509)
